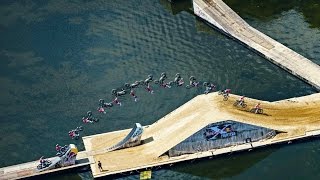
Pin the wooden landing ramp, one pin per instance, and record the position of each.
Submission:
(217, 13)
(28, 169)
(296, 118)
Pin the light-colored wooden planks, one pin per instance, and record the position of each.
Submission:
(220, 15)
(294, 116)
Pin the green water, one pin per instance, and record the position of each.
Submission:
(58, 58)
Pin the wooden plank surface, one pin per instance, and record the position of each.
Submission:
(29, 169)
(294, 116)
(224, 18)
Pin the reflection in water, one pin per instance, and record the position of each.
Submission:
(177, 6)
(224, 166)
(267, 9)
(311, 11)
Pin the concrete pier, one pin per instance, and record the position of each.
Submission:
(218, 14)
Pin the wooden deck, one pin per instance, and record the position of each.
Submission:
(218, 14)
(296, 118)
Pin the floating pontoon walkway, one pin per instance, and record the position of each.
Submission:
(218, 14)
(293, 119)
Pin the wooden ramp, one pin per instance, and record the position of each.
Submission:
(217, 13)
(28, 169)
(296, 118)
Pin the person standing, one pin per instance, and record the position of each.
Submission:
(100, 166)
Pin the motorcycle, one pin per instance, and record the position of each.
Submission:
(148, 80)
(161, 79)
(79, 128)
(44, 164)
(256, 111)
(225, 95)
(133, 85)
(103, 104)
(62, 151)
(239, 103)
(89, 118)
(118, 93)
(178, 80)
(193, 83)
(209, 87)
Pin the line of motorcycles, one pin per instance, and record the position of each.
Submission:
(177, 81)
(127, 87)
(243, 104)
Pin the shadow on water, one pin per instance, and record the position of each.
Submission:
(224, 166)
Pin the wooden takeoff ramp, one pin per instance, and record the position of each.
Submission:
(293, 118)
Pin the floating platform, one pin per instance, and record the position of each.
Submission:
(291, 119)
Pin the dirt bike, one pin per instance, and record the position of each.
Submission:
(225, 95)
(132, 86)
(118, 93)
(193, 83)
(209, 87)
(103, 104)
(163, 77)
(256, 111)
(44, 164)
(238, 103)
(79, 128)
(148, 80)
(90, 117)
(93, 119)
(178, 80)
(62, 151)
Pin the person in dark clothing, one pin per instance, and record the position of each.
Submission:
(100, 166)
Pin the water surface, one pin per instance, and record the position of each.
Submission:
(58, 58)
